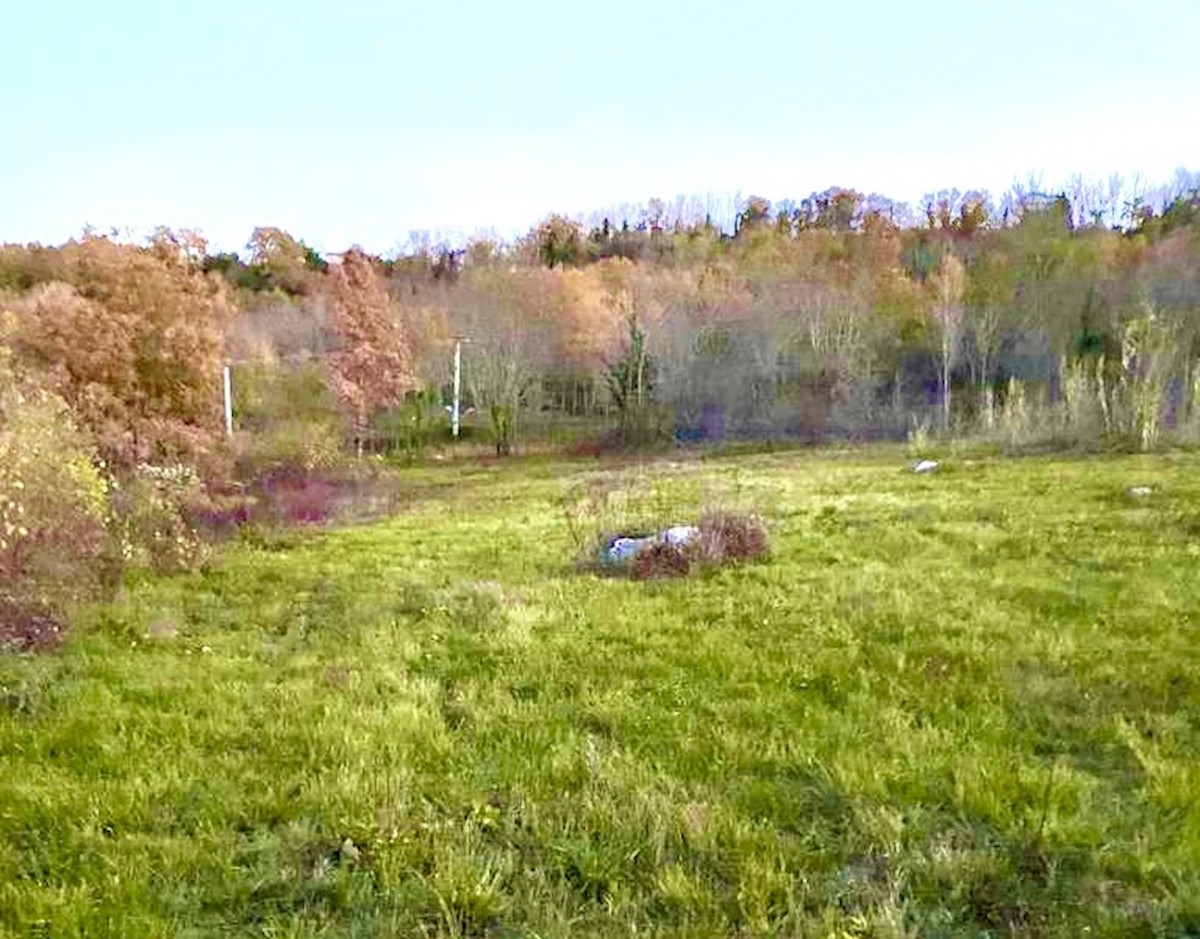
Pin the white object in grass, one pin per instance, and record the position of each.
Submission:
(679, 535)
(1140, 491)
(925, 466)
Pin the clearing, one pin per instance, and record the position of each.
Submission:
(959, 703)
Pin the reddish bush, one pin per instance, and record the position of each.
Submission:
(28, 627)
(219, 510)
(295, 497)
(662, 561)
(588, 446)
(725, 536)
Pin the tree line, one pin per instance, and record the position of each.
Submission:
(1069, 316)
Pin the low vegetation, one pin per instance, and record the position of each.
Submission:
(956, 704)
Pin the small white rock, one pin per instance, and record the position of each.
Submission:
(925, 466)
(1140, 491)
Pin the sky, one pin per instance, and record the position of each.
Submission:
(362, 121)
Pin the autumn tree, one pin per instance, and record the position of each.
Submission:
(131, 338)
(372, 365)
(559, 242)
(284, 262)
(755, 213)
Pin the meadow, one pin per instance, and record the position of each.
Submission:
(958, 704)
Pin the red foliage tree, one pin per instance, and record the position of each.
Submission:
(372, 366)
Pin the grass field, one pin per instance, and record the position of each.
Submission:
(959, 704)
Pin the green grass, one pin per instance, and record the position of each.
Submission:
(961, 704)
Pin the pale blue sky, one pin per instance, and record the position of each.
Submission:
(358, 122)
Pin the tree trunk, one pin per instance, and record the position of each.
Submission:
(946, 383)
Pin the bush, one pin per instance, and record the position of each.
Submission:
(289, 447)
(150, 517)
(220, 509)
(661, 561)
(300, 497)
(28, 626)
(407, 430)
(53, 497)
(289, 420)
(724, 538)
(731, 536)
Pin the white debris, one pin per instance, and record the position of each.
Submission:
(925, 466)
(679, 535)
(1140, 491)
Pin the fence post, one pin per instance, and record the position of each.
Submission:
(457, 385)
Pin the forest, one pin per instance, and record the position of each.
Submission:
(1052, 320)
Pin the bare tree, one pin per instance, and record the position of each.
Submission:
(949, 284)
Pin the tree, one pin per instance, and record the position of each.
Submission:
(754, 214)
(630, 380)
(372, 366)
(286, 262)
(989, 299)
(131, 338)
(499, 382)
(559, 242)
(836, 210)
(512, 323)
(949, 283)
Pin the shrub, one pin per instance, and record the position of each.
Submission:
(53, 496)
(28, 626)
(151, 521)
(724, 538)
(220, 509)
(661, 561)
(731, 536)
(290, 447)
(408, 429)
(300, 497)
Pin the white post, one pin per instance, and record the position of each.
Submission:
(228, 403)
(457, 385)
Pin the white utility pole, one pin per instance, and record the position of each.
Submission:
(457, 386)
(228, 403)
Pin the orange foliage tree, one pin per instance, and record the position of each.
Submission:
(131, 338)
(372, 366)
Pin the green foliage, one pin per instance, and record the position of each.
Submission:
(409, 429)
(559, 242)
(266, 393)
(631, 383)
(288, 418)
(291, 445)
